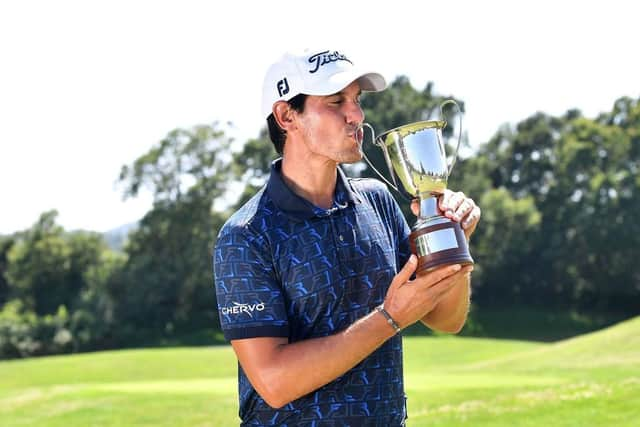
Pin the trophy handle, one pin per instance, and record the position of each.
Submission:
(455, 154)
(386, 158)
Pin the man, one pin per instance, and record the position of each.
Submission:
(313, 274)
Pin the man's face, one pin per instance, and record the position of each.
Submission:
(329, 125)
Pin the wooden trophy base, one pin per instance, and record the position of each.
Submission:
(439, 241)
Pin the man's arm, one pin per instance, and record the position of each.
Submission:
(450, 314)
(281, 372)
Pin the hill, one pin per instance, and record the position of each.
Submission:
(117, 237)
(613, 348)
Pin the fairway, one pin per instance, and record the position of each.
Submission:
(591, 380)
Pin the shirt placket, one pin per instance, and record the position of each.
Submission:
(343, 236)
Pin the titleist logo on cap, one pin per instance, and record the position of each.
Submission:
(323, 58)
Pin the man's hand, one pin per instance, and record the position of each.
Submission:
(457, 207)
(408, 301)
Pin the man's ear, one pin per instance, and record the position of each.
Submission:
(284, 115)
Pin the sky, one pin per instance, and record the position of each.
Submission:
(88, 86)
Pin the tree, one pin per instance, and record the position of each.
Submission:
(5, 246)
(591, 206)
(40, 267)
(582, 177)
(49, 276)
(504, 251)
(190, 163)
(166, 282)
(252, 165)
(92, 322)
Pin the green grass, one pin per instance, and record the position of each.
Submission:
(590, 380)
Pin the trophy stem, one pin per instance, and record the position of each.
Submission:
(428, 207)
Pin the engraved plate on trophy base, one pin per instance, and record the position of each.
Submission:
(439, 243)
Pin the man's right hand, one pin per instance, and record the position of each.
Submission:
(408, 301)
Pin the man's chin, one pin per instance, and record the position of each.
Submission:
(351, 157)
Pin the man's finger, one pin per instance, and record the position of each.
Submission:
(444, 200)
(444, 285)
(451, 202)
(415, 207)
(464, 209)
(441, 273)
(472, 218)
(405, 274)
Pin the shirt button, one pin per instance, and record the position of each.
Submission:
(341, 238)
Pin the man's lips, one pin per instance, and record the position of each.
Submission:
(357, 134)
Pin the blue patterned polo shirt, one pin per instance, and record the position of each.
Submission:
(286, 268)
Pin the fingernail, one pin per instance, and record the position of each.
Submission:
(413, 259)
(456, 267)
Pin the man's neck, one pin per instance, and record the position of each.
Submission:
(315, 181)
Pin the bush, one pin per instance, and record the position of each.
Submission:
(24, 334)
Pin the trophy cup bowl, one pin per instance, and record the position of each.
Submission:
(417, 162)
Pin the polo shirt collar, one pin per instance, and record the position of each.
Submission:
(299, 207)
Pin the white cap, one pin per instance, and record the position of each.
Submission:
(314, 72)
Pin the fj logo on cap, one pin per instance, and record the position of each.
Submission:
(283, 87)
(323, 58)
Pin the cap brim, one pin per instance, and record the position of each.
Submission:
(372, 82)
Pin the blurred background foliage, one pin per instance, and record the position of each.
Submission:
(555, 251)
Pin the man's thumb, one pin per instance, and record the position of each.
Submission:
(406, 272)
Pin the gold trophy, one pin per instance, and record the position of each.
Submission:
(417, 162)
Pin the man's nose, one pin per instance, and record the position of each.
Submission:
(354, 113)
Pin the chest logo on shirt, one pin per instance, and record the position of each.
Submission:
(239, 308)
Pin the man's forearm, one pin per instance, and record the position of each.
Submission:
(451, 312)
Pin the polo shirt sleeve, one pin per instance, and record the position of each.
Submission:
(250, 298)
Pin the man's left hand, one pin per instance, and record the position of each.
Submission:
(460, 208)
(457, 207)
